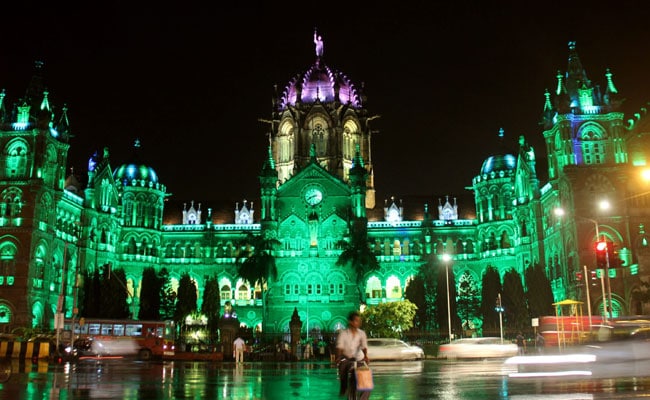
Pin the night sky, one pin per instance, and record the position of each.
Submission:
(191, 85)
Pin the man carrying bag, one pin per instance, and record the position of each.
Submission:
(352, 347)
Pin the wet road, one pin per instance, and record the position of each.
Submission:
(432, 379)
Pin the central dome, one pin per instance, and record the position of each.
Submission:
(504, 162)
(320, 83)
(132, 171)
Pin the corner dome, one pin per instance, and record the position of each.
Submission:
(320, 83)
(128, 172)
(503, 162)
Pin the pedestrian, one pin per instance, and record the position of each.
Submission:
(351, 346)
(308, 351)
(239, 346)
(521, 343)
(540, 342)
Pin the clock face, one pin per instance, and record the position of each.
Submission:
(313, 196)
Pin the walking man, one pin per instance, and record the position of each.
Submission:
(239, 346)
(351, 346)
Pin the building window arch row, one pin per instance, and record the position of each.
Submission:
(336, 285)
(291, 283)
(313, 284)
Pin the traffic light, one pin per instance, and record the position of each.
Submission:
(578, 276)
(603, 250)
(594, 278)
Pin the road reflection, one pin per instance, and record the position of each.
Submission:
(431, 379)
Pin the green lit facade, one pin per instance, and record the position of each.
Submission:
(317, 178)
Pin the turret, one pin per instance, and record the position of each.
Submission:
(268, 185)
(358, 175)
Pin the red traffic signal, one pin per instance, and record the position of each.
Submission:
(601, 246)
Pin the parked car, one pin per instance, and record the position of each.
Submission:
(478, 348)
(393, 349)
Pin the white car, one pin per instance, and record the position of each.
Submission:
(387, 349)
(485, 347)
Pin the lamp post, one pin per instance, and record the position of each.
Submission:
(499, 309)
(446, 258)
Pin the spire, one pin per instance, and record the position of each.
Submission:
(547, 102)
(560, 84)
(575, 71)
(357, 160)
(63, 126)
(3, 109)
(610, 83)
(269, 163)
(312, 153)
(45, 104)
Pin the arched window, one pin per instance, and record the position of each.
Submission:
(5, 314)
(243, 293)
(7, 264)
(393, 288)
(373, 289)
(16, 166)
(225, 293)
(592, 144)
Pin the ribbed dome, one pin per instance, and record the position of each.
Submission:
(320, 82)
(503, 162)
(131, 171)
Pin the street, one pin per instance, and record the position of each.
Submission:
(431, 379)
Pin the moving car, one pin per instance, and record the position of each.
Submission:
(388, 349)
(478, 348)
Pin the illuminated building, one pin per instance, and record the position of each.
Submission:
(318, 176)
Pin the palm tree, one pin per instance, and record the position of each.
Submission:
(357, 254)
(256, 262)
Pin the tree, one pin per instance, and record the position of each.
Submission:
(539, 293)
(357, 254)
(256, 262)
(167, 295)
(211, 305)
(150, 295)
(490, 289)
(415, 292)
(91, 294)
(186, 299)
(514, 302)
(390, 319)
(468, 301)
(113, 298)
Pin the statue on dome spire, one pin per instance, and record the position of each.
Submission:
(318, 41)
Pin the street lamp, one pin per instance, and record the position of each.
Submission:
(499, 309)
(446, 258)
